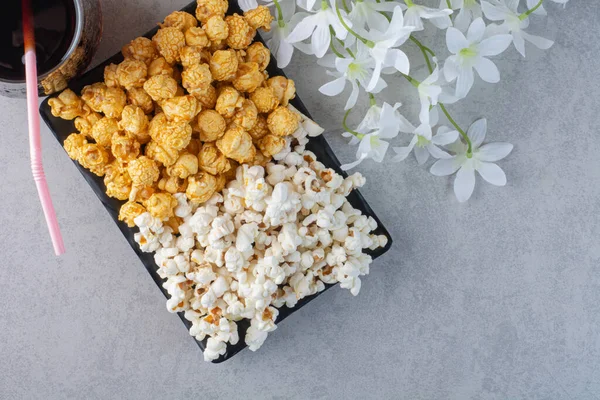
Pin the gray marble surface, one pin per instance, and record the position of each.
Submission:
(498, 298)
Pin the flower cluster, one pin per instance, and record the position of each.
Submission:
(362, 42)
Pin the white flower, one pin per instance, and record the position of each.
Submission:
(439, 17)
(382, 47)
(431, 91)
(379, 123)
(424, 143)
(357, 70)
(507, 12)
(369, 13)
(316, 26)
(471, 52)
(469, 11)
(482, 160)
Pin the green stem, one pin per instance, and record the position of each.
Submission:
(353, 132)
(412, 80)
(424, 50)
(462, 133)
(345, 6)
(449, 4)
(362, 39)
(279, 12)
(372, 100)
(337, 53)
(529, 12)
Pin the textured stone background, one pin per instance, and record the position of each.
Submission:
(495, 299)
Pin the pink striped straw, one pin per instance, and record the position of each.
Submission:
(35, 145)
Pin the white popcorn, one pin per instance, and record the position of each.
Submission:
(234, 259)
(214, 349)
(246, 235)
(282, 205)
(273, 237)
(233, 204)
(183, 209)
(202, 276)
(289, 238)
(254, 338)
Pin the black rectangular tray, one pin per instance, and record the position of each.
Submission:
(318, 145)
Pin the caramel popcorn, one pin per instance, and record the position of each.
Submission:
(67, 106)
(265, 99)
(124, 147)
(143, 171)
(114, 102)
(208, 99)
(141, 194)
(74, 144)
(284, 89)
(172, 184)
(216, 28)
(260, 128)
(260, 159)
(283, 122)
(228, 101)
(130, 211)
(172, 134)
(110, 75)
(221, 182)
(135, 122)
(117, 181)
(160, 66)
(94, 95)
(248, 77)
(197, 78)
(181, 108)
(270, 145)
(157, 126)
(194, 145)
(196, 36)
(259, 17)
(161, 87)
(212, 160)
(103, 130)
(131, 73)
(161, 153)
(190, 55)
(94, 157)
(85, 124)
(186, 165)
(208, 8)
(141, 49)
(241, 33)
(201, 187)
(217, 45)
(161, 205)
(246, 116)
(210, 125)
(169, 41)
(224, 65)
(237, 144)
(208, 82)
(230, 175)
(180, 20)
(139, 97)
(258, 53)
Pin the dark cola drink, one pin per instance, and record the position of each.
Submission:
(54, 24)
